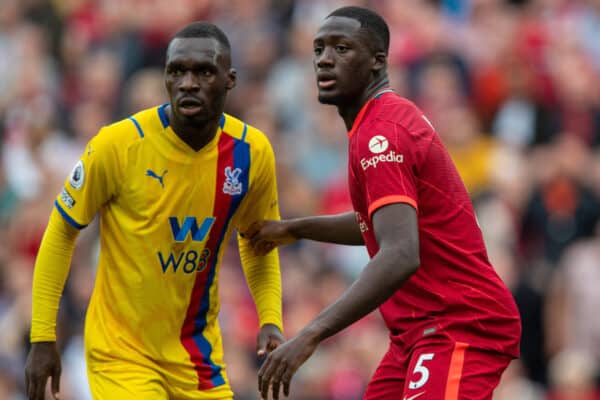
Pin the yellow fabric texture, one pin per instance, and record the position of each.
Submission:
(264, 280)
(166, 215)
(51, 269)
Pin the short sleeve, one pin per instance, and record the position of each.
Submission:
(92, 182)
(262, 201)
(385, 161)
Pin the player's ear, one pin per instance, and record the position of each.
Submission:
(379, 61)
(231, 79)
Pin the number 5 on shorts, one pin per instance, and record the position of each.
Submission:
(421, 370)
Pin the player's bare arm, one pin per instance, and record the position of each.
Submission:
(339, 229)
(396, 231)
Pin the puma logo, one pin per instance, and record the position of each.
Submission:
(154, 175)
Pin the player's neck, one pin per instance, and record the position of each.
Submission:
(350, 111)
(194, 136)
(198, 137)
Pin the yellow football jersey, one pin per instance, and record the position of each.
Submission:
(166, 213)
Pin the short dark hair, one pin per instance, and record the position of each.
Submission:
(202, 29)
(370, 21)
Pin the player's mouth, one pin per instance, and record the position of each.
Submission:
(326, 81)
(189, 106)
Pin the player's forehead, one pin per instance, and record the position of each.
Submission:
(205, 49)
(338, 27)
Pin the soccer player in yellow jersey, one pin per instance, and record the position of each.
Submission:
(170, 184)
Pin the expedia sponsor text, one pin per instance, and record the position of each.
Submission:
(390, 156)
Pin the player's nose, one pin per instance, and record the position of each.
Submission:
(188, 82)
(325, 59)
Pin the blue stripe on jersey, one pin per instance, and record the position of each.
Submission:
(222, 121)
(67, 217)
(244, 132)
(137, 125)
(241, 159)
(162, 114)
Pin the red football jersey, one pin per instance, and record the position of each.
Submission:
(396, 157)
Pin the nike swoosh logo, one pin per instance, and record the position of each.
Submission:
(413, 397)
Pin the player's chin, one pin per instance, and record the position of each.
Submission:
(328, 97)
(198, 118)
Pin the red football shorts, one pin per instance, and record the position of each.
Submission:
(443, 370)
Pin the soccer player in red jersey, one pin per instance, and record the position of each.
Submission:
(454, 326)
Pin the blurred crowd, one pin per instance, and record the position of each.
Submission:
(512, 87)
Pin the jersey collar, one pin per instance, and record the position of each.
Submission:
(364, 108)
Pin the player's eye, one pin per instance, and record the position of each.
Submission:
(176, 71)
(318, 50)
(340, 48)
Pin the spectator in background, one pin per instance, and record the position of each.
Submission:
(144, 89)
(573, 299)
(562, 208)
(576, 111)
(472, 151)
(516, 121)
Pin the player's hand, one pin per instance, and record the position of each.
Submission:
(264, 236)
(268, 339)
(43, 362)
(282, 363)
